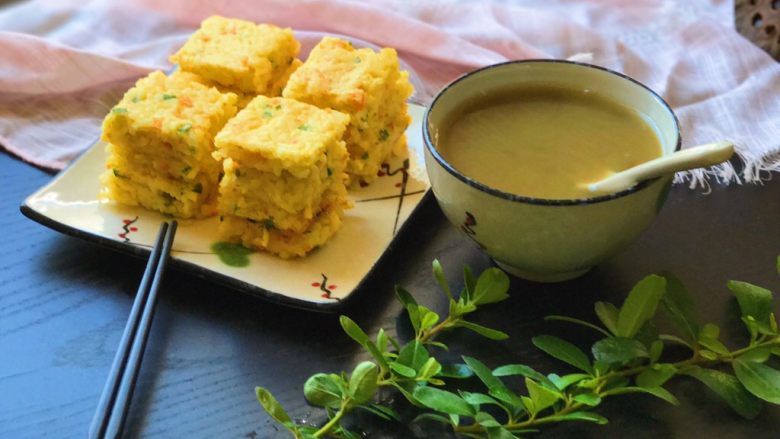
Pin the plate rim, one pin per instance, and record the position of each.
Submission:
(203, 272)
(219, 278)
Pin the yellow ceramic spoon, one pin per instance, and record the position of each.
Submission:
(690, 158)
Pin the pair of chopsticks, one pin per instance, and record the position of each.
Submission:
(114, 405)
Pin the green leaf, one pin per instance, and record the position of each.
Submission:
(579, 322)
(353, 330)
(438, 344)
(752, 326)
(231, 254)
(273, 408)
(413, 355)
(709, 330)
(438, 273)
(647, 334)
(404, 371)
(618, 350)
(483, 373)
(640, 305)
(496, 387)
(679, 307)
(478, 399)
(394, 342)
(759, 379)
(377, 354)
(708, 354)
(432, 417)
(656, 349)
(443, 401)
(708, 337)
(564, 351)
(589, 399)
(499, 433)
(381, 340)
(729, 388)
(362, 382)
(323, 390)
(428, 318)
(469, 283)
(656, 375)
(119, 110)
(430, 368)
(753, 300)
(518, 369)
(541, 396)
(608, 314)
(411, 307)
(404, 296)
(758, 355)
(580, 416)
(492, 334)
(457, 370)
(528, 405)
(562, 382)
(461, 307)
(658, 392)
(341, 432)
(492, 286)
(486, 420)
(675, 339)
(381, 411)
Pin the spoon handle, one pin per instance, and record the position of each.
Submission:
(697, 157)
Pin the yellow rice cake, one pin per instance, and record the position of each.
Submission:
(239, 54)
(367, 85)
(161, 137)
(286, 244)
(283, 165)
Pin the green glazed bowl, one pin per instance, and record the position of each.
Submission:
(539, 239)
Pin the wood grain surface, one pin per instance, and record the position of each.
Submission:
(63, 304)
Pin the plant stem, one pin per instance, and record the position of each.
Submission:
(695, 360)
(434, 331)
(476, 428)
(325, 429)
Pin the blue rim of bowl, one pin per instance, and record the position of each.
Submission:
(531, 200)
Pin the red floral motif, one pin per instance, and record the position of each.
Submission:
(468, 228)
(128, 228)
(324, 287)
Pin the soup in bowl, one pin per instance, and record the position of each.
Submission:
(510, 149)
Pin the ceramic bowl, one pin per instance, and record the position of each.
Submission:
(540, 239)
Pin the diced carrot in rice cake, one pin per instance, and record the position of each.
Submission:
(239, 54)
(161, 140)
(283, 188)
(367, 85)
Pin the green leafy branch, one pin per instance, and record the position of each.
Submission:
(628, 358)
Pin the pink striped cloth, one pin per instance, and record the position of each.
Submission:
(64, 63)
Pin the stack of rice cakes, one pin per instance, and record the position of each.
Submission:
(284, 185)
(160, 139)
(284, 162)
(370, 87)
(239, 56)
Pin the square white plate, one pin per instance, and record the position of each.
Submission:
(320, 281)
